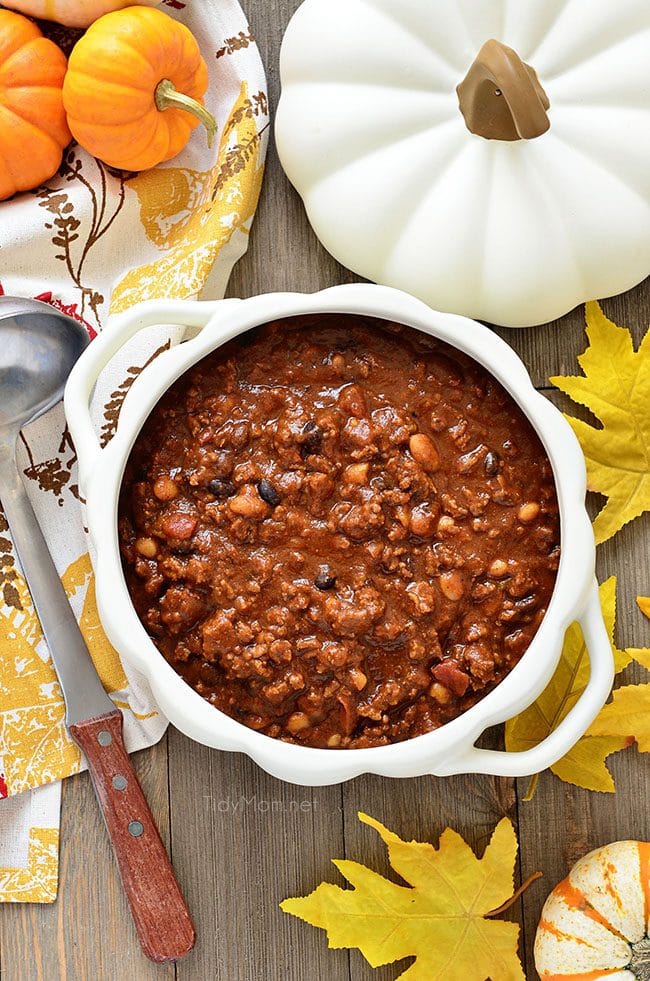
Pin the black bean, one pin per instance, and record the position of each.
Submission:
(182, 548)
(268, 493)
(312, 438)
(527, 603)
(325, 580)
(222, 488)
(492, 464)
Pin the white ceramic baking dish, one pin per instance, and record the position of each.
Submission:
(450, 749)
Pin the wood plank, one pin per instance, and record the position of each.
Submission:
(284, 253)
(88, 932)
(237, 852)
(242, 842)
(552, 349)
(420, 809)
(562, 822)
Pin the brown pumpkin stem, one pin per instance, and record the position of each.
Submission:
(501, 97)
(168, 97)
(515, 896)
(640, 963)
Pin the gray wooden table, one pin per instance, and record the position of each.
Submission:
(242, 841)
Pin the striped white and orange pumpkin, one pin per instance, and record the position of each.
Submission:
(596, 922)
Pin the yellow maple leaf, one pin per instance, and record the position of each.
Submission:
(615, 387)
(644, 605)
(585, 765)
(439, 918)
(628, 713)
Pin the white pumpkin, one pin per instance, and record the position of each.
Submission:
(595, 922)
(512, 231)
(72, 13)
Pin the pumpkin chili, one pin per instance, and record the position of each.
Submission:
(340, 531)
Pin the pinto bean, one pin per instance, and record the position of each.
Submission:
(147, 547)
(248, 504)
(440, 694)
(498, 569)
(297, 722)
(424, 452)
(358, 678)
(423, 522)
(357, 473)
(451, 585)
(528, 512)
(165, 489)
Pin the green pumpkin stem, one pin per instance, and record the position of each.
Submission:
(168, 97)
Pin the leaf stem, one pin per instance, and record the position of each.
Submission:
(515, 896)
(532, 787)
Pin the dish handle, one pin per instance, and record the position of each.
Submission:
(79, 389)
(572, 727)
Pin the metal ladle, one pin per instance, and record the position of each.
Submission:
(38, 349)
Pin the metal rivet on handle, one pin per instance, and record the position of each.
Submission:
(104, 738)
(120, 782)
(136, 828)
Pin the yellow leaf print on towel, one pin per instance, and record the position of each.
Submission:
(192, 215)
(107, 660)
(38, 881)
(34, 745)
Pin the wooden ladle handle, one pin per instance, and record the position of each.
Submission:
(161, 916)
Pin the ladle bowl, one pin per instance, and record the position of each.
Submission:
(38, 348)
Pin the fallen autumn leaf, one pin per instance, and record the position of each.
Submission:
(443, 917)
(585, 765)
(615, 387)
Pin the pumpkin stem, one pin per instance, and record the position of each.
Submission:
(640, 963)
(501, 97)
(515, 896)
(168, 97)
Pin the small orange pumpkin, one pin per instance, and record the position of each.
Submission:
(595, 923)
(33, 127)
(134, 87)
(72, 13)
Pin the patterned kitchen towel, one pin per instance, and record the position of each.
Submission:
(92, 242)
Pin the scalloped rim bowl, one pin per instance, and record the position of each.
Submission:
(444, 751)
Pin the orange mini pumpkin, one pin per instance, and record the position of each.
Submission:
(134, 88)
(33, 127)
(595, 922)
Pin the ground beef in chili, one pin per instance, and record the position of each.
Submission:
(340, 532)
